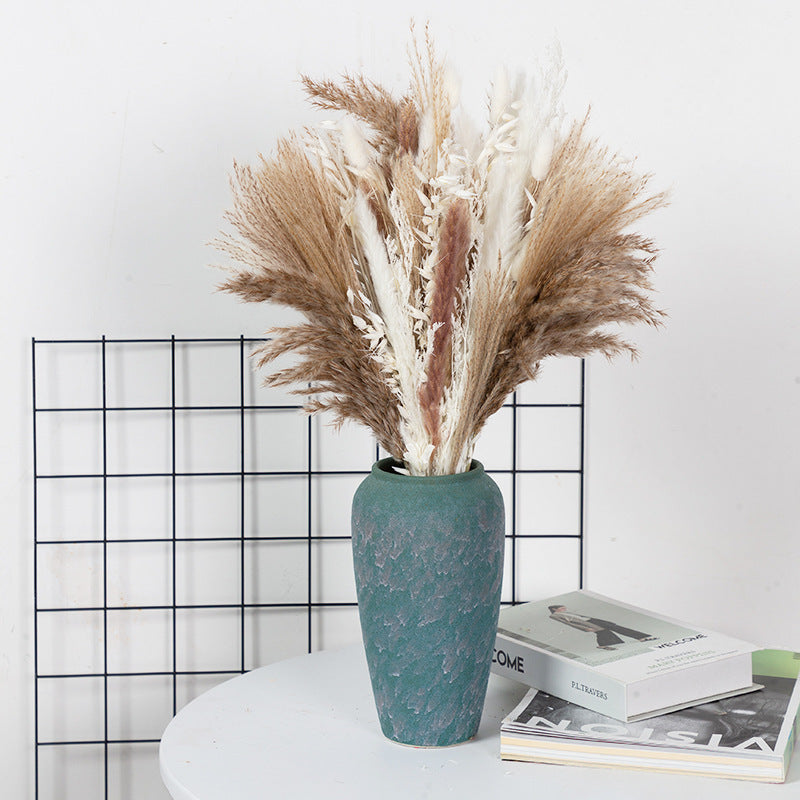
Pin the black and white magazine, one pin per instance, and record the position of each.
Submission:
(748, 736)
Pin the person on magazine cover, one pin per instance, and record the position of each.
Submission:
(605, 630)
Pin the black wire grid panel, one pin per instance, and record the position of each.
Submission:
(190, 525)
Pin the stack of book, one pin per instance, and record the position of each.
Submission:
(614, 685)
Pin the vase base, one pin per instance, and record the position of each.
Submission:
(429, 746)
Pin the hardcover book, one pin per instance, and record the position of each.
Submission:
(749, 737)
(617, 659)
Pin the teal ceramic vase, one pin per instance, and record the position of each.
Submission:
(428, 558)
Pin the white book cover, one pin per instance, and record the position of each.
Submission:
(617, 659)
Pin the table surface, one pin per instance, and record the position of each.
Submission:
(307, 727)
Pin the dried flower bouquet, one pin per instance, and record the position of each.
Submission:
(436, 267)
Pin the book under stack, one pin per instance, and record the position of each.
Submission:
(614, 685)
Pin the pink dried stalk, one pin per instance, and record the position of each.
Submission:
(451, 269)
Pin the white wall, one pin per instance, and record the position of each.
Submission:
(120, 122)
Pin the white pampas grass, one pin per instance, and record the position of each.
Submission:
(542, 155)
(501, 95)
(356, 149)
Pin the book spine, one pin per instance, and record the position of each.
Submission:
(573, 682)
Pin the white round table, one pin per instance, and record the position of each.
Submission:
(307, 728)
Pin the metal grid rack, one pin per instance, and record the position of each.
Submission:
(154, 510)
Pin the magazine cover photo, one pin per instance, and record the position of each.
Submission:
(760, 721)
(592, 630)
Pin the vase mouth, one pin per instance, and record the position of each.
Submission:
(384, 470)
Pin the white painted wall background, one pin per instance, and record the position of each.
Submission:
(120, 122)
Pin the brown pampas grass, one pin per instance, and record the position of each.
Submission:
(437, 268)
(451, 269)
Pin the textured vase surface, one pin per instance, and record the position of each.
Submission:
(428, 557)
